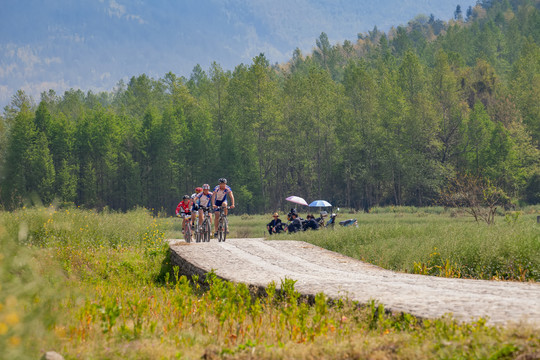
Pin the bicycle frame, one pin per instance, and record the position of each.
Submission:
(205, 226)
(187, 228)
(223, 225)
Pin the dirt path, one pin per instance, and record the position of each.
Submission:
(258, 262)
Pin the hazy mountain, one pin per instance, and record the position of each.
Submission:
(93, 44)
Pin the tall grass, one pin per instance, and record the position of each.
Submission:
(439, 244)
(106, 291)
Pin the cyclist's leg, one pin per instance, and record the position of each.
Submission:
(217, 215)
(216, 222)
(201, 217)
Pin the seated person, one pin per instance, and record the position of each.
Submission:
(320, 220)
(296, 222)
(311, 223)
(332, 220)
(275, 226)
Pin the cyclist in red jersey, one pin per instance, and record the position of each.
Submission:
(183, 209)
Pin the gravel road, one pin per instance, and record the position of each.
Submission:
(258, 262)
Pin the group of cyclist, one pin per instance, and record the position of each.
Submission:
(204, 199)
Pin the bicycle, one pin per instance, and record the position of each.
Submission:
(187, 229)
(197, 232)
(223, 225)
(195, 227)
(205, 230)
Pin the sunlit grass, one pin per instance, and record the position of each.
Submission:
(439, 244)
(106, 291)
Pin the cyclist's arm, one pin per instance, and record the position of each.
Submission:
(232, 199)
(178, 209)
(213, 200)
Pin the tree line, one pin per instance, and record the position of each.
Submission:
(388, 119)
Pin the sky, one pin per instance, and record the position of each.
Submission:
(93, 44)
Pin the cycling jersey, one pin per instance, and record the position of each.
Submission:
(183, 208)
(195, 199)
(204, 199)
(221, 195)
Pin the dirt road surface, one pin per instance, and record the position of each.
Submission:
(258, 262)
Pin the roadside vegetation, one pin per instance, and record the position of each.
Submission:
(98, 285)
(432, 241)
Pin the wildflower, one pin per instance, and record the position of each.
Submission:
(14, 341)
(12, 319)
(3, 328)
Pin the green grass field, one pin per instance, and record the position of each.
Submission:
(443, 244)
(97, 285)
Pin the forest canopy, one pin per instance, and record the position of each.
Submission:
(385, 119)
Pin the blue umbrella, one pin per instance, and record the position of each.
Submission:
(320, 203)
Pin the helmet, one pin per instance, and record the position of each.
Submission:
(206, 187)
(186, 197)
(222, 181)
(198, 189)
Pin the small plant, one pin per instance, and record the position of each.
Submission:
(512, 217)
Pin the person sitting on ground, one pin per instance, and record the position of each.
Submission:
(296, 222)
(311, 223)
(275, 226)
(320, 220)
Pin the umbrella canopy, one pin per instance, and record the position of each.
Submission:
(297, 200)
(320, 203)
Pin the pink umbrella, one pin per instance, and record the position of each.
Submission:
(297, 200)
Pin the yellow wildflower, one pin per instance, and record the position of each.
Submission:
(3, 328)
(14, 341)
(12, 319)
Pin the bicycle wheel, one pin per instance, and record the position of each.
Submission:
(206, 229)
(197, 234)
(220, 230)
(187, 233)
(225, 228)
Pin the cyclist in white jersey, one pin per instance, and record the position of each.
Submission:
(219, 197)
(204, 199)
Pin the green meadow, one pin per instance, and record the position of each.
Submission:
(98, 285)
(432, 241)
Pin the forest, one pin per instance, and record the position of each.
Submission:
(387, 119)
